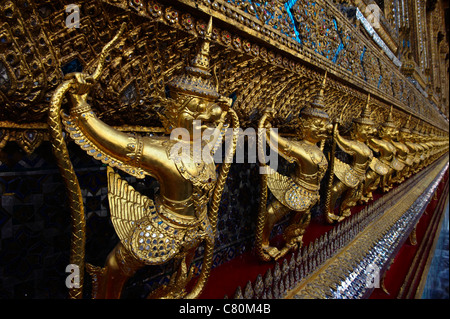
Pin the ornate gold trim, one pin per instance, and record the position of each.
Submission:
(328, 280)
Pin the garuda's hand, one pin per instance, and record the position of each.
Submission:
(82, 83)
(335, 129)
(270, 112)
(266, 117)
(224, 102)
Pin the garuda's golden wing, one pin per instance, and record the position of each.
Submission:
(289, 193)
(79, 138)
(378, 166)
(127, 206)
(346, 173)
(153, 234)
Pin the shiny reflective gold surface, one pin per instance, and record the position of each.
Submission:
(173, 226)
(297, 193)
(351, 178)
(353, 114)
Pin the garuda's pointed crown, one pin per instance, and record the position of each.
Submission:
(416, 128)
(405, 127)
(364, 118)
(424, 130)
(389, 121)
(317, 106)
(196, 80)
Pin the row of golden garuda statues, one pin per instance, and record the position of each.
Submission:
(183, 214)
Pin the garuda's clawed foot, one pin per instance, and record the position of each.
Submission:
(292, 244)
(345, 213)
(333, 218)
(175, 289)
(271, 252)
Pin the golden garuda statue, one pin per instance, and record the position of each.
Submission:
(435, 144)
(403, 151)
(387, 151)
(350, 177)
(419, 159)
(183, 214)
(377, 168)
(299, 192)
(426, 142)
(414, 152)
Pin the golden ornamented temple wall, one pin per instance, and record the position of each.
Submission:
(259, 54)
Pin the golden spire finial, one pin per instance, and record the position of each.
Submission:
(416, 128)
(389, 121)
(318, 104)
(424, 129)
(319, 98)
(366, 110)
(196, 79)
(407, 121)
(405, 127)
(390, 114)
(324, 81)
(209, 29)
(201, 60)
(364, 117)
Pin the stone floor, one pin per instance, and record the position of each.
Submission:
(436, 286)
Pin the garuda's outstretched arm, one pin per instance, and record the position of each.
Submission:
(133, 154)
(106, 138)
(345, 144)
(278, 143)
(374, 144)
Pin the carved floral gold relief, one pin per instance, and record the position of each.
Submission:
(77, 51)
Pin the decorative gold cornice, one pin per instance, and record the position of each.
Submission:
(30, 136)
(383, 29)
(251, 45)
(255, 30)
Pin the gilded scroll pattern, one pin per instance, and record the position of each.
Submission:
(317, 28)
(349, 57)
(160, 43)
(28, 63)
(320, 28)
